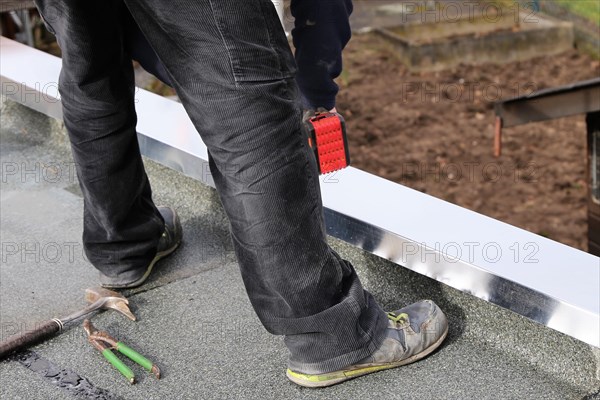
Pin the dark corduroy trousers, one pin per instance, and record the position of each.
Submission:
(231, 65)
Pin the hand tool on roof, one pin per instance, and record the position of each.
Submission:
(100, 339)
(97, 299)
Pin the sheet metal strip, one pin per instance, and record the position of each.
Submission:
(580, 98)
(543, 280)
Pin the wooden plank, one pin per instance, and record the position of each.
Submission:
(11, 5)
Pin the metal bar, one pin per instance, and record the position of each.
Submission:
(498, 137)
(543, 280)
(593, 178)
(580, 98)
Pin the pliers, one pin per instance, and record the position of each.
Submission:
(105, 343)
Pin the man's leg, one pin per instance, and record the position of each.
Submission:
(233, 70)
(122, 227)
(142, 52)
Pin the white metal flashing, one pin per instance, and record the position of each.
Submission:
(546, 281)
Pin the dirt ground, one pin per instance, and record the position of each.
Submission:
(434, 132)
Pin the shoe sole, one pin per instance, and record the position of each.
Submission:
(159, 256)
(324, 380)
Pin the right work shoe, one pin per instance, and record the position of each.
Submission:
(167, 244)
(413, 332)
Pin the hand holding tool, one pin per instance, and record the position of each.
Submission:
(97, 298)
(327, 138)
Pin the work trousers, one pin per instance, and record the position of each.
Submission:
(233, 70)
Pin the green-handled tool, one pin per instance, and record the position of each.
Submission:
(100, 339)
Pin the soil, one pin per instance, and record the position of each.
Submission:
(434, 132)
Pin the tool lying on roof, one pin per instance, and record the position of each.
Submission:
(98, 299)
(99, 339)
(327, 138)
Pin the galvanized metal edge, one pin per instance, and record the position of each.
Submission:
(543, 280)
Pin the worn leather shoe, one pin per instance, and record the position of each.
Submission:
(413, 332)
(167, 244)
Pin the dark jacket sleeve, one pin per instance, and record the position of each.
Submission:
(321, 31)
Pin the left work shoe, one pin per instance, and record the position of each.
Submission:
(167, 244)
(413, 332)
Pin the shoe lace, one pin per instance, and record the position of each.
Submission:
(399, 318)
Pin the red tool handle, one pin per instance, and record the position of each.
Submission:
(17, 342)
(327, 138)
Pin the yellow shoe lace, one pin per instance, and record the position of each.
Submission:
(400, 318)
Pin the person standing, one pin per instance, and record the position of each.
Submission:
(232, 68)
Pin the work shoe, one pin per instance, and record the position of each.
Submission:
(168, 242)
(413, 332)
